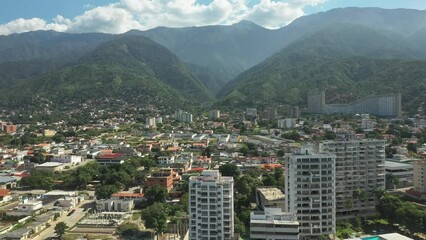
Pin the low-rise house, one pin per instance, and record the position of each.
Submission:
(50, 167)
(114, 205)
(68, 159)
(203, 160)
(165, 160)
(26, 208)
(163, 177)
(5, 196)
(198, 145)
(136, 197)
(7, 182)
(113, 158)
(18, 234)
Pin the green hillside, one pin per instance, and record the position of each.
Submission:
(133, 69)
(346, 60)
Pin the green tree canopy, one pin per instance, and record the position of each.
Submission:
(155, 217)
(230, 170)
(60, 229)
(105, 192)
(156, 194)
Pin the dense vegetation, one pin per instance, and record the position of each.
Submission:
(133, 69)
(335, 59)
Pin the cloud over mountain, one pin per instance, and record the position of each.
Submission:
(125, 15)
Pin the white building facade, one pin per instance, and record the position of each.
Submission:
(310, 192)
(273, 224)
(211, 206)
(70, 159)
(420, 177)
(360, 171)
(182, 116)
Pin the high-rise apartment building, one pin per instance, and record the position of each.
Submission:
(310, 192)
(182, 116)
(214, 114)
(360, 172)
(150, 122)
(420, 176)
(211, 206)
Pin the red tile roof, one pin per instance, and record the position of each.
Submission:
(4, 192)
(134, 195)
(110, 156)
(198, 169)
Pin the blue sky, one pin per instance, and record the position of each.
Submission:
(116, 16)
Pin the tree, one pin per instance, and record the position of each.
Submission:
(105, 192)
(330, 135)
(293, 135)
(280, 153)
(127, 229)
(239, 226)
(412, 147)
(230, 170)
(60, 229)
(269, 180)
(39, 180)
(244, 150)
(156, 194)
(155, 217)
(278, 173)
(391, 181)
(147, 163)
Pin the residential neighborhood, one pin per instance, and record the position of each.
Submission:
(107, 179)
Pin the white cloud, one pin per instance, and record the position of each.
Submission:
(125, 15)
(25, 25)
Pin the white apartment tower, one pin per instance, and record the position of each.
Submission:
(420, 176)
(360, 172)
(150, 122)
(182, 116)
(211, 206)
(310, 192)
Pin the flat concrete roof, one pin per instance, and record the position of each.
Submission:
(50, 164)
(271, 194)
(390, 164)
(394, 236)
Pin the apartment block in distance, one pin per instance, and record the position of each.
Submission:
(420, 177)
(310, 192)
(211, 206)
(360, 171)
(273, 224)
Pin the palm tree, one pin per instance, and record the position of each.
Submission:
(60, 229)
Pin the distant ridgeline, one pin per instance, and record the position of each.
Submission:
(385, 105)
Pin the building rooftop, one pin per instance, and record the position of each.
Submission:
(60, 193)
(394, 236)
(134, 195)
(7, 179)
(4, 192)
(50, 164)
(18, 233)
(271, 194)
(390, 164)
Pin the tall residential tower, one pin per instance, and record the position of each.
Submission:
(211, 206)
(360, 172)
(310, 192)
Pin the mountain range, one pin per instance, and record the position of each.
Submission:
(350, 52)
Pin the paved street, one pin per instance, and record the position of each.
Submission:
(69, 220)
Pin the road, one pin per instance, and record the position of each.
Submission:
(69, 220)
